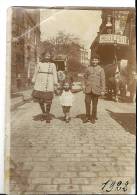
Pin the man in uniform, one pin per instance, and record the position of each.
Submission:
(94, 86)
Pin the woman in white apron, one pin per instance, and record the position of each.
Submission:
(45, 79)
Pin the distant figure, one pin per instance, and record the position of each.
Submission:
(45, 79)
(19, 84)
(61, 75)
(94, 86)
(61, 79)
(28, 76)
(132, 86)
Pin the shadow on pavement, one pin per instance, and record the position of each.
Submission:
(61, 118)
(120, 99)
(39, 117)
(126, 120)
(81, 116)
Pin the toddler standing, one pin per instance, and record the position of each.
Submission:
(66, 100)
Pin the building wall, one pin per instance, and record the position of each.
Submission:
(114, 22)
(16, 47)
(25, 40)
(84, 57)
(130, 31)
(118, 20)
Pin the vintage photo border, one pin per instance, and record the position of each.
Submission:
(7, 135)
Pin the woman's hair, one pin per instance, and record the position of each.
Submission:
(41, 57)
(45, 57)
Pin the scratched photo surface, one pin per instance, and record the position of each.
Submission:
(71, 101)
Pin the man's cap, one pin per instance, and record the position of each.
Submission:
(96, 56)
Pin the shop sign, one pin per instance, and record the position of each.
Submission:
(112, 38)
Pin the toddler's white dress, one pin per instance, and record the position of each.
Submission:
(66, 98)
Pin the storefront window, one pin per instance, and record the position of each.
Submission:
(120, 21)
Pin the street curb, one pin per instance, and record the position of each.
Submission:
(24, 100)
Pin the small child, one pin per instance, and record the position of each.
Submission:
(66, 100)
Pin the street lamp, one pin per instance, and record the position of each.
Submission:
(117, 70)
(109, 24)
(115, 51)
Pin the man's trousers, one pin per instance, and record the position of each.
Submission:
(94, 98)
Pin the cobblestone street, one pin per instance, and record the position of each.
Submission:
(72, 158)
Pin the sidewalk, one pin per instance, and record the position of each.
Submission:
(20, 98)
(74, 158)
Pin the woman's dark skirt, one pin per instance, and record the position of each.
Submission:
(42, 97)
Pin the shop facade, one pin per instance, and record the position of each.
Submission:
(115, 43)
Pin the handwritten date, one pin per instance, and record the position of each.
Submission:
(113, 185)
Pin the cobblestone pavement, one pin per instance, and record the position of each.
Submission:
(72, 158)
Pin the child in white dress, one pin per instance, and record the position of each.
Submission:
(66, 100)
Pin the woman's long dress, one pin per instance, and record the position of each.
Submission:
(45, 77)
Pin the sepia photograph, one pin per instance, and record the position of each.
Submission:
(70, 100)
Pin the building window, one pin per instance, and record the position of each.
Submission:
(29, 32)
(35, 38)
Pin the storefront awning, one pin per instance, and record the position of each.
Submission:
(109, 46)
